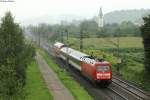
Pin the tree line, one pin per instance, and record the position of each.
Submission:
(15, 55)
(89, 27)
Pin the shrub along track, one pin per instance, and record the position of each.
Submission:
(113, 92)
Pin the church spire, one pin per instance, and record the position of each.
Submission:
(100, 22)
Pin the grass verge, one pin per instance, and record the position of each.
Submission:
(78, 92)
(36, 88)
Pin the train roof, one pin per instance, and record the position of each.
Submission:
(73, 53)
(58, 44)
(79, 55)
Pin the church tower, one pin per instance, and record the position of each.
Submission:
(100, 18)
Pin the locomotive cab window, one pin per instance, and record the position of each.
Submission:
(103, 68)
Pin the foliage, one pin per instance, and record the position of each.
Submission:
(145, 30)
(15, 55)
(100, 54)
(89, 28)
(126, 29)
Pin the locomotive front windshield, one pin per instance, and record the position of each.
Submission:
(103, 68)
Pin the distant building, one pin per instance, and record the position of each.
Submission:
(100, 18)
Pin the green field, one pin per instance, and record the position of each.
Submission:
(78, 91)
(124, 42)
(35, 87)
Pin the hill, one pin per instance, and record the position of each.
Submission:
(134, 16)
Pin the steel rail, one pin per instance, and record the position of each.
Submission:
(132, 89)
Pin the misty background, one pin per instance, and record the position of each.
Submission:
(28, 12)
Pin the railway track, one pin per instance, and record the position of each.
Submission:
(97, 92)
(131, 89)
(122, 97)
(118, 90)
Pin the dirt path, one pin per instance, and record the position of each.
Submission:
(58, 90)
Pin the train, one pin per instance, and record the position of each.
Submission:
(98, 71)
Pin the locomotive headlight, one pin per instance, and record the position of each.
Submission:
(103, 68)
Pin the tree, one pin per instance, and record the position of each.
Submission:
(88, 27)
(129, 29)
(15, 56)
(145, 31)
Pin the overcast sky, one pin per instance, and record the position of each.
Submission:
(30, 9)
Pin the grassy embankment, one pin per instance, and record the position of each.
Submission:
(35, 87)
(131, 51)
(78, 92)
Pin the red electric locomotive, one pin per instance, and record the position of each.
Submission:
(97, 70)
